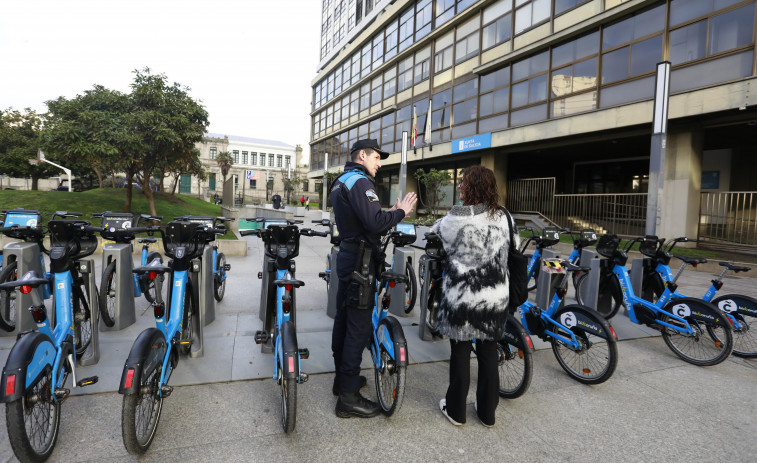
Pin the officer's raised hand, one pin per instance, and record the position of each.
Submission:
(407, 204)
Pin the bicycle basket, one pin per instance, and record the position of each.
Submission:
(649, 245)
(434, 248)
(283, 241)
(114, 222)
(23, 218)
(607, 245)
(71, 234)
(588, 237)
(550, 236)
(181, 234)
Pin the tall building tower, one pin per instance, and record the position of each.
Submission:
(556, 96)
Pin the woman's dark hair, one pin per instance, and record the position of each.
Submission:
(480, 187)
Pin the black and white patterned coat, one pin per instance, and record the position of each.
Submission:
(475, 287)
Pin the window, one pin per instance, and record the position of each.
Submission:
(365, 59)
(330, 87)
(440, 115)
(497, 23)
(564, 5)
(262, 159)
(376, 90)
(390, 41)
(287, 161)
(636, 55)
(445, 10)
(494, 97)
(212, 182)
(365, 96)
(278, 160)
(421, 112)
(423, 12)
(244, 157)
(406, 28)
(236, 156)
(465, 100)
(212, 152)
(346, 108)
(387, 131)
(404, 122)
(378, 50)
(577, 77)
(530, 75)
(530, 13)
(686, 10)
(443, 56)
(355, 103)
(467, 40)
(253, 184)
(422, 65)
(338, 81)
(270, 160)
(390, 82)
(727, 31)
(375, 129)
(405, 74)
(346, 74)
(254, 158)
(355, 68)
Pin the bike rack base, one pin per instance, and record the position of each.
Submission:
(590, 287)
(207, 288)
(124, 314)
(423, 332)
(27, 257)
(403, 256)
(198, 322)
(87, 270)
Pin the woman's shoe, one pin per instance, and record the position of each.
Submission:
(443, 408)
(475, 406)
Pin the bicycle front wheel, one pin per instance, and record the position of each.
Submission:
(595, 358)
(82, 325)
(219, 280)
(187, 328)
(288, 402)
(515, 363)
(411, 289)
(33, 422)
(699, 348)
(108, 295)
(609, 297)
(140, 413)
(8, 298)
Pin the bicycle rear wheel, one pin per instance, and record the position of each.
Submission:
(515, 364)
(108, 295)
(596, 357)
(288, 402)
(8, 299)
(219, 279)
(390, 377)
(609, 297)
(140, 413)
(33, 422)
(411, 289)
(146, 284)
(698, 348)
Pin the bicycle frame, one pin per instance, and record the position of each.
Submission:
(179, 281)
(381, 336)
(281, 318)
(546, 316)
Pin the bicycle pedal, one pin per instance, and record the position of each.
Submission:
(304, 377)
(227, 267)
(87, 381)
(61, 393)
(166, 390)
(321, 274)
(186, 342)
(260, 275)
(261, 337)
(304, 353)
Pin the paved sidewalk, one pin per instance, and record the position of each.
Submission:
(655, 407)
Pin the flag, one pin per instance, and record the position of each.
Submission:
(427, 133)
(415, 127)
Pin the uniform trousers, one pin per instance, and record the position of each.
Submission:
(352, 328)
(487, 389)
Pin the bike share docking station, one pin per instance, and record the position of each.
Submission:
(547, 280)
(402, 258)
(27, 258)
(121, 253)
(87, 270)
(202, 288)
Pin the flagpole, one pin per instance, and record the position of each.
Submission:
(403, 166)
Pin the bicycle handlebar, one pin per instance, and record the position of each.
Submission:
(65, 214)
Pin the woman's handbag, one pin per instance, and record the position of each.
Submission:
(517, 267)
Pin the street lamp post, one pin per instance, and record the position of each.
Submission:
(658, 148)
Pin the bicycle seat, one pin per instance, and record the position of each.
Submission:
(30, 278)
(691, 260)
(154, 266)
(571, 267)
(295, 283)
(392, 276)
(735, 268)
(148, 240)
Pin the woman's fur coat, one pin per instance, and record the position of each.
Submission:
(475, 287)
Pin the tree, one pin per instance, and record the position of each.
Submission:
(19, 141)
(225, 160)
(89, 130)
(433, 181)
(292, 181)
(329, 178)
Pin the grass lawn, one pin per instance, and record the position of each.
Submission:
(107, 199)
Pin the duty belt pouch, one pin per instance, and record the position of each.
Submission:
(360, 294)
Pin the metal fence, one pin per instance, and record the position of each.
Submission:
(619, 213)
(531, 194)
(728, 217)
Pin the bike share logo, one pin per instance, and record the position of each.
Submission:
(682, 310)
(568, 319)
(31, 223)
(728, 306)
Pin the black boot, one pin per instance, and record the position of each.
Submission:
(353, 404)
(335, 386)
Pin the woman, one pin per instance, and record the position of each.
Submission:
(476, 237)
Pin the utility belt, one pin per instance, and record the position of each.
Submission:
(360, 293)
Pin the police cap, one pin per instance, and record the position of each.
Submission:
(369, 143)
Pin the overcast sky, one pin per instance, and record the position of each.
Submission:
(249, 62)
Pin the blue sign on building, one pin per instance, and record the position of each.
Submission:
(477, 142)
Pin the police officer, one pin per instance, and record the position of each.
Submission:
(359, 218)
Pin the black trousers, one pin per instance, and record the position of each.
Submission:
(352, 329)
(487, 388)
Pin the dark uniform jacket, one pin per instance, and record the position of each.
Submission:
(357, 210)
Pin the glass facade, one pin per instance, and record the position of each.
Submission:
(404, 67)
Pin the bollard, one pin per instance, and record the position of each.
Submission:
(637, 275)
(590, 287)
(545, 287)
(403, 256)
(87, 270)
(124, 312)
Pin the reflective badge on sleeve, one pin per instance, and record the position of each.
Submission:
(371, 196)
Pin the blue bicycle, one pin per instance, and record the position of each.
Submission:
(122, 228)
(696, 330)
(281, 239)
(25, 225)
(155, 353)
(220, 267)
(657, 275)
(35, 374)
(549, 237)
